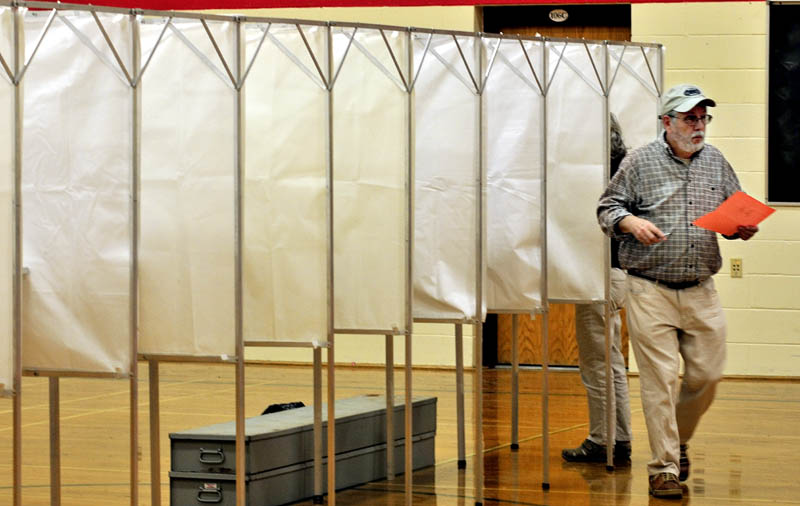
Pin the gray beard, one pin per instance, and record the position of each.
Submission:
(691, 147)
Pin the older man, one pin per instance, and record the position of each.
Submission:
(673, 308)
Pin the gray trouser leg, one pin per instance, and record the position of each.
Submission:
(590, 334)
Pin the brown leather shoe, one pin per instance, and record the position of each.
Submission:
(684, 464)
(665, 485)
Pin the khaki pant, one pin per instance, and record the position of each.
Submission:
(590, 333)
(665, 325)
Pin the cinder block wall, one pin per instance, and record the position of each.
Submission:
(444, 18)
(722, 47)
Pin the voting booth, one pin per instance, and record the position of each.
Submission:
(177, 186)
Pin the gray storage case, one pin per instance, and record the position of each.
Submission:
(294, 483)
(280, 451)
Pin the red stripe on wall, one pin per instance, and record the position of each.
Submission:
(194, 5)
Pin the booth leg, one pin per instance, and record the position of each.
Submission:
(155, 441)
(389, 407)
(545, 408)
(477, 391)
(462, 459)
(515, 382)
(55, 442)
(409, 411)
(611, 405)
(331, 424)
(318, 478)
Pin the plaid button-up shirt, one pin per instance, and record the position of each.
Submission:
(654, 184)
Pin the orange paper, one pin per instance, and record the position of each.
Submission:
(740, 209)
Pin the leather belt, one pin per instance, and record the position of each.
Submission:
(672, 285)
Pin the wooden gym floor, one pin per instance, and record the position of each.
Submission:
(746, 450)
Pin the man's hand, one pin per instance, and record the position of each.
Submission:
(745, 232)
(644, 231)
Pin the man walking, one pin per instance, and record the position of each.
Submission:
(673, 307)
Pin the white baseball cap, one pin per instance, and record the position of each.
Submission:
(683, 98)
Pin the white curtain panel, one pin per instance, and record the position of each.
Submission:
(634, 94)
(447, 171)
(370, 146)
(513, 131)
(575, 172)
(187, 192)
(76, 196)
(285, 230)
(6, 203)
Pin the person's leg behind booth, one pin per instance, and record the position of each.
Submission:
(590, 336)
(623, 433)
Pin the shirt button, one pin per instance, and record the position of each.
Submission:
(690, 202)
(691, 245)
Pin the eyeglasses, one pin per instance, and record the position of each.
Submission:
(691, 119)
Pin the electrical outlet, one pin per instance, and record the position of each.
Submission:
(736, 268)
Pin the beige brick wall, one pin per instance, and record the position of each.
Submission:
(722, 47)
(444, 18)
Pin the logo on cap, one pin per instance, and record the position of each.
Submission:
(690, 92)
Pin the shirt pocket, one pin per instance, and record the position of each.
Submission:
(708, 192)
(657, 195)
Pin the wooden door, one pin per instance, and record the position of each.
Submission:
(593, 22)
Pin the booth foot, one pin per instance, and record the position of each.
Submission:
(545, 486)
(462, 464)
(317, 499)
(514, 446)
